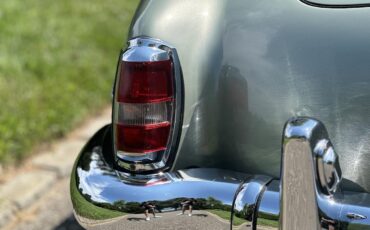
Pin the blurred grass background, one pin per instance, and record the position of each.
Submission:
(57, 65)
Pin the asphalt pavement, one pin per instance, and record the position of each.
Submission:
(200, 220)
(52, 211)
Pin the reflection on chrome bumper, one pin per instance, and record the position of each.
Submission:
(199, 198)
(103, 196)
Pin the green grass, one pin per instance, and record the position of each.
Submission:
(267, 222)
(57, 64)
(239, 221)
(226, 216)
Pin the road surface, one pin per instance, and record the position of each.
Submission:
(52, 211)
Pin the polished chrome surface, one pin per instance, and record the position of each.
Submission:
(247, 201)
(345, 210)
(327, 166)
(269, 207)
(355, 216)
(298, 197)
(311, 197)
(337, 3)
(250, 65)
(101, 194)
(106, 197)
(147, 49)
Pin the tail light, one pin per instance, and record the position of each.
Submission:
(147, 106)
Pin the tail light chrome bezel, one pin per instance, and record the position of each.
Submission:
(147, 49)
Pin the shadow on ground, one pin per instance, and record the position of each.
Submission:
(69, 224)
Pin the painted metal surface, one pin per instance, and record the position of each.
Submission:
(248, 66)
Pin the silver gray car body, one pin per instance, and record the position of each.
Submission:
(270, 89)
(248, 66)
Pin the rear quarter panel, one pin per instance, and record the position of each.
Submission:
(248, 66)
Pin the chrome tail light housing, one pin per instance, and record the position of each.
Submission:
(147, 106)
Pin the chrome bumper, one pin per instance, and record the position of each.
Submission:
(104, 198)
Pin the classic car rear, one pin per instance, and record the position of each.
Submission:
(242, 114)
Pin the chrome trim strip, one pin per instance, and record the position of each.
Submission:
(150, 49)
(335, 6)
(269, 207)
(247, 199)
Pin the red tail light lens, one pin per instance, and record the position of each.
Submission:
(144, 97)
(142, 139)
(144, 106)
(143, 82)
